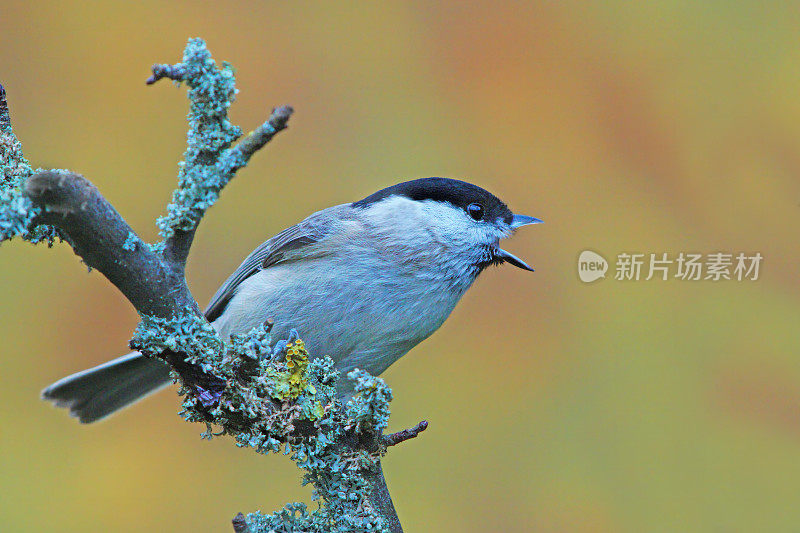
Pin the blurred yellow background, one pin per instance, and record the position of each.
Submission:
(554, 405)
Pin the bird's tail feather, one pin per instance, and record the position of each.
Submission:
(95, 393)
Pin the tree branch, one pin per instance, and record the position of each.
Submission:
(240, 524)
(172, 72)
(269, 396)
(263, 134)
(100, 236)
(396, 438)
(178, 244)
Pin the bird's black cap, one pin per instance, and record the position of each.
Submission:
(457, 192)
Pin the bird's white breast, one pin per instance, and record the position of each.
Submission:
(365, 303)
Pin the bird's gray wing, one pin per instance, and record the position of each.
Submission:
(292, 244)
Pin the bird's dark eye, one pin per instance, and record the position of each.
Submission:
(475, 211)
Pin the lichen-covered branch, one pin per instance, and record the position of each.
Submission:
(16, 211)
(269, 396)
(209, 162)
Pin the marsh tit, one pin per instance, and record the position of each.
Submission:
(363, 283)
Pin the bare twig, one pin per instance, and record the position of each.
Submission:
(411, 433)
(265, 132)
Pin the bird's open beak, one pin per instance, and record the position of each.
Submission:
(511, 259)
(517, 222)
(521, 220)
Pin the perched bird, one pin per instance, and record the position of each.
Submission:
(363, 283)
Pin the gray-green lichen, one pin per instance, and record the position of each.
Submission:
(189, 333)
(337, 472)
(274, 397)
(208, 163)
(131, 241)
(15, 168)
(17, 212)
(369, 407)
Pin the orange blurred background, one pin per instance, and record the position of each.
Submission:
(554, 405)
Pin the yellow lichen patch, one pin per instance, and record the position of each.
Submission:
(292, 382)
(318, 411)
